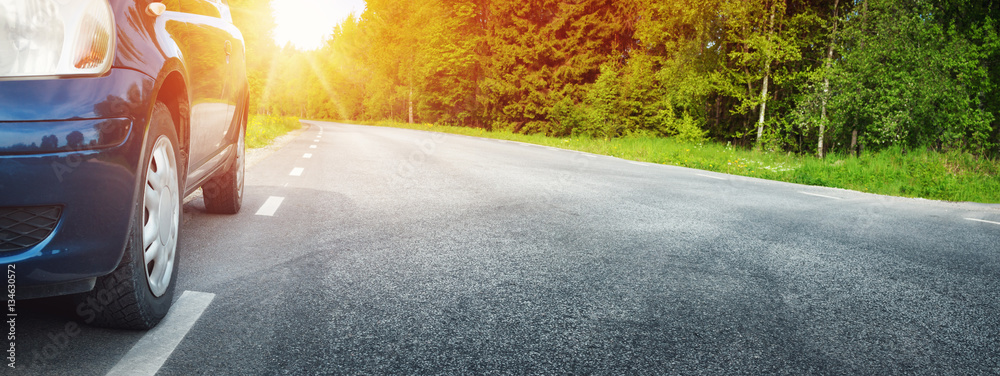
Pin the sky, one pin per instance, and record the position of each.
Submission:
(306, 22)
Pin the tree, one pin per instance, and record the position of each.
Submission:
(255, 20)
(763, 40)
(769, 73)
(540, 52)
(910, 78)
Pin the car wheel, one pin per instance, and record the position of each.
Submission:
(224, 193)
(138, 294)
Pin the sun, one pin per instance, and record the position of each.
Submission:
(305, 23)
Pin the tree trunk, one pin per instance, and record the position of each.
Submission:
(718, 111)
(864, 25)
(826, 80)
(822, 117)
(767, 78)
(410, 103)
(854, 142)
(763, 101)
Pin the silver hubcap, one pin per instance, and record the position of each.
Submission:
(162, 216)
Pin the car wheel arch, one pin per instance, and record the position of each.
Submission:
(173, 92)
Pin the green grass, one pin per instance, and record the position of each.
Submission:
(262, 129)
(950, 176)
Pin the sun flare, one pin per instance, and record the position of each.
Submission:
(306, 23)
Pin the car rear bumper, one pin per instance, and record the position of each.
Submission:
(80, 174)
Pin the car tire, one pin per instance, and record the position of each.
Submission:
(223, 193)
(138, 294)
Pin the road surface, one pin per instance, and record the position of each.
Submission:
(366, 250)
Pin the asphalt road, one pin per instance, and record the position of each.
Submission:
(407, 252)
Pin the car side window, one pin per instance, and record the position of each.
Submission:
(208, 8)
(224, 9)
(172, 5)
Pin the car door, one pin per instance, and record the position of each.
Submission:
(202, 36)
(235, 89)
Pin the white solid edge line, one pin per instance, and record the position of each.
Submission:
(297, 171)
(148, 355)
(983, 220)
(270, 206)
(307, 155)
(819, 195)
(711, 177)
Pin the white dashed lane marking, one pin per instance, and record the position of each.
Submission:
(307, 155)
(312, 146)
(297, 171)
(711, 177)
(819, 195)
(983, 221)
(148, 355)
(270, 206)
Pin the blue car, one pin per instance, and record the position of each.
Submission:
(111, 112)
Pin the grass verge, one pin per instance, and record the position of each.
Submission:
(949, 176)
(262, 129)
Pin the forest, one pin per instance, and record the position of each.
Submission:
(793, 76)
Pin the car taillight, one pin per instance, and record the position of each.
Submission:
(54, 38)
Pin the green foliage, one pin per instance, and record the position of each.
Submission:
(953, 176)
(911, 79)
(915, 74)
(566, 117)
(687, 130)
(262, 129)
(623, 102)
(256, 22)
(446, 83)
(606, 111)
(537, 53)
